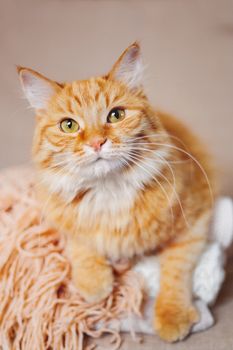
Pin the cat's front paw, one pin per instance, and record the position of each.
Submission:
(94, 282)
(173, 322)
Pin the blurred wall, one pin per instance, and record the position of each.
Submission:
(187, 46)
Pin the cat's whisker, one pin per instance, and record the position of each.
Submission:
(176, 194)
(78, 162)
(161, 134)
(189, 155)
(133, 169)
(140, 186)
(164, 177)
(172, 185)
(164, 161)
(127, 148)
(136, 162)
(40, 182)
(49, 198)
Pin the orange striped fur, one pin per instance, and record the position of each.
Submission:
(148, 192)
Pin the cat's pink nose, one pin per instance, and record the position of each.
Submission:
(97, 143)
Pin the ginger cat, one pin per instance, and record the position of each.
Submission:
(122, 180)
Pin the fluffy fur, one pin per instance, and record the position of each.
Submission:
(147, 190)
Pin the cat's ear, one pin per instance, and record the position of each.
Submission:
(129, 67)
(37, 88)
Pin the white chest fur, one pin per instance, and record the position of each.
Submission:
(105, 209)
(107, 200)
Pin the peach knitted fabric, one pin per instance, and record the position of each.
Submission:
(39, 305)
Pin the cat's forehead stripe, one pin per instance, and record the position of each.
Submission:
(85, 92)
(87, 99)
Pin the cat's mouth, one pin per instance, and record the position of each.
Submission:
(98, 159)
(101, 166)
(101, 157)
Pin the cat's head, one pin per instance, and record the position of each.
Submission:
(91, 128)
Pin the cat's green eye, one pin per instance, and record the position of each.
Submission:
(116, 115)
(69, 126)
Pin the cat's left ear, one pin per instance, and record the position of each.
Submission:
(129, 67)
(37, 88)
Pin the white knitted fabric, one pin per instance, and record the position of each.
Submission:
(208, 275)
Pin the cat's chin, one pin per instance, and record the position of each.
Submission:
(103, 167)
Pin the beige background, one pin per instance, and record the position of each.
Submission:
(188, 47)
